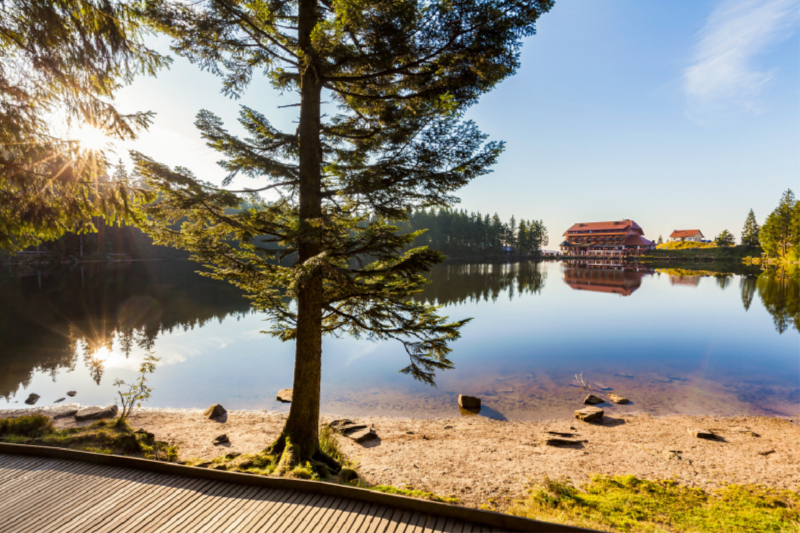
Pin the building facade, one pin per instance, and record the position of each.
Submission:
(605, 239)
(680, 235)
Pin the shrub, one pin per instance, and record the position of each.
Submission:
(31, 426)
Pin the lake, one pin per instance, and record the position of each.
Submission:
(671, 340)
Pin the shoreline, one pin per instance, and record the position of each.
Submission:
(482, 461)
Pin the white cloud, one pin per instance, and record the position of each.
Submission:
(724, 73)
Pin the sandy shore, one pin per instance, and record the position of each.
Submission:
(477, 459)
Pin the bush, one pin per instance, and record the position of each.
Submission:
(31, 426)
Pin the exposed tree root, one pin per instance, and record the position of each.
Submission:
(294, 459)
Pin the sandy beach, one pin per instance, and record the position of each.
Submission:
(483, 461)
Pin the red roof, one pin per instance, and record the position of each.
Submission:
(620, 225)
(636, 240)
(685, 233)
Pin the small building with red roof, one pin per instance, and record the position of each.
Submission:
(680, 235)
(612, 238)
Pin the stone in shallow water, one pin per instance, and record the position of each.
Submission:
(616, 398)
(32, 399)
(588, 414)
(59, 400)
(71, 393)
(214, 411)
(285, 395)
(702, 433)
(96, 413)
(593, 400)
(469, 402)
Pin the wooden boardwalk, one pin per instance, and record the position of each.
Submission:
(52, 495)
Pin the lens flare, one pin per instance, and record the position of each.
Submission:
(91, 138)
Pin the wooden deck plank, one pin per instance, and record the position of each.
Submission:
(117, 504)
(263, 501)
(184, 520)
(40, 487)
(155, 493)
(58, 495)
(311, 516)
(260, 520)
(269, 522)
(79, 498)
(253, 501)
(327, 522)
(176, 500)
(347, 521)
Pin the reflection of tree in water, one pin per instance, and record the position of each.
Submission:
(723, 280)
(779, 290)
(748, 286)
(84, 312)
(453, 283)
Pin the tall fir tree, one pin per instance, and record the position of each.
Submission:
(750, 230)
(780, 234)
(64, 58)
(401, 74)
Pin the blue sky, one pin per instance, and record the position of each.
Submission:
(678, 115)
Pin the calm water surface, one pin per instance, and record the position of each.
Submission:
(672, 341)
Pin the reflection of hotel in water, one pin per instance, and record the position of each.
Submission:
(604, 276)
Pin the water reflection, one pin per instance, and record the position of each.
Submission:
(779, 290)
(50, 319)
(457, 283)
(605, 276)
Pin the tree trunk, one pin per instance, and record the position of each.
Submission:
(299, 441)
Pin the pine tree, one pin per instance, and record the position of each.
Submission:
(750, 230)
(401, 73)
(64, 57)
(781, 230)
(660, 240)
(725, 238)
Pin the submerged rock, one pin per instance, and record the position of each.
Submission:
(702, 433)
(59, 400)
(96, 413)
(616, 398)
(71, 393)
(65, 414)
(215, 411)
(284, 395)
(588, 414)
(469, 402)
(32, 398)
(593, 400)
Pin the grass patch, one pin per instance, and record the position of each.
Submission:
(388, 489)
(100, 437)
(628, 504)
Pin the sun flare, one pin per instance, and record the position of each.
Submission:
(91, 138)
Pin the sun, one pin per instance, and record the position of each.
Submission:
(91, 138)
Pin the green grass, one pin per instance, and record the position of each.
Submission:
(388, 489)
(631, 505)
(694, 250)
(100, 437)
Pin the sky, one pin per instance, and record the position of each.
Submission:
(678, 115)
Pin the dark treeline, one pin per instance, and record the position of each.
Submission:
(453, 284)
(51, 320)
(460, 233)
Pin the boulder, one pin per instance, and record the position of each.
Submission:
(339, 423)
(71, 393)
(59, 400)
(616, 398)
(214, 411)
(348, 474)
(702, 433)
(588, 414)
(593, 400)
(284, 396)
(469, 402)
(65, 414)
(96, 413)
(561, 434)
(221, 439)
(32, 398)
(766, 452)
(361, 435)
